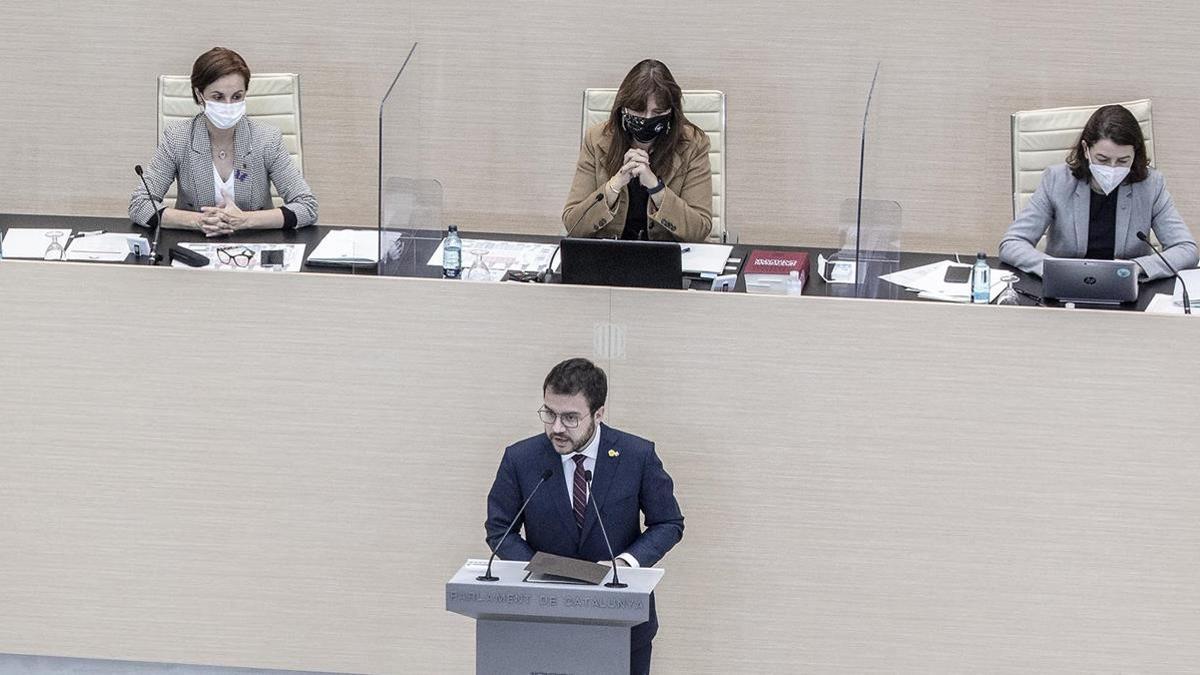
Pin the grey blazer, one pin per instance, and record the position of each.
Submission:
(1060, 209)
(260, 158)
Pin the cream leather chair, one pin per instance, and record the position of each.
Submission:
(273, 98)
(705, 109)
(1042, 138)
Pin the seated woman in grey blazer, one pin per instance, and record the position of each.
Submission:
(224, 162)
(1094, 205)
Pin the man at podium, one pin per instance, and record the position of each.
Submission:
(629, 483)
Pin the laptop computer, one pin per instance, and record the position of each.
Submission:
(1104, 282)
(617, 262)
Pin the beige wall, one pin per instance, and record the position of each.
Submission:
(284, 470)
(501, 98)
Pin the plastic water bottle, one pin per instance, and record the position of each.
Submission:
(792, 285)
(981, 280)
(452, 254)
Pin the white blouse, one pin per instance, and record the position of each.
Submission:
(219, 184)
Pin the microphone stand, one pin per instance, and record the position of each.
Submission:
(1187, 301)
(616, 581)
(487, 576)
(154, 257)
(541, 277)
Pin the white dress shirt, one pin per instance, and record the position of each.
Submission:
(589, 451)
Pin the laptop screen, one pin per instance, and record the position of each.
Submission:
(1095, 281)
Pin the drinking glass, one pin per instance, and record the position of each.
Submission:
(1009, 295)
(479, 270)
(54, 250)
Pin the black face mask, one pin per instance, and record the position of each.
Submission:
(646, 129)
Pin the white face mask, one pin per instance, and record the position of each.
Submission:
(1107, 177)
(224, 115)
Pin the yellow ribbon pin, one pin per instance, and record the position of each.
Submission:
(613, 453)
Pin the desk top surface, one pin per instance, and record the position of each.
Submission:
(311, 236)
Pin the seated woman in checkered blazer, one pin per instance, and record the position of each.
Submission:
(224, 162)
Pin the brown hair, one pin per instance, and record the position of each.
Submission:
(648, 79)
(1118, 125)
(215, 64)
(578, 376)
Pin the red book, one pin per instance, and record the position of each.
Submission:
(765, 271)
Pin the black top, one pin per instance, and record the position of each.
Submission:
(635, 218)
(1102, 226)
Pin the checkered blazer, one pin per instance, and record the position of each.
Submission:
(260, 159)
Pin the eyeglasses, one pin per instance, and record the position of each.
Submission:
(238, 256)
(569, 420)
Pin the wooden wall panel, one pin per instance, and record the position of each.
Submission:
(501, 92)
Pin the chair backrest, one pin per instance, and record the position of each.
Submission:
(705, 109)
(1042, 138)
(273, 98)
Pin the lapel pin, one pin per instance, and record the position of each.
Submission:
(613, 453)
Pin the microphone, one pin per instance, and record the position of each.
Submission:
(488, 575)
(1187, 302)
(154, 257)
(541, 277)
(615, 583)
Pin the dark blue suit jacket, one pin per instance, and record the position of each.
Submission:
(631, 484)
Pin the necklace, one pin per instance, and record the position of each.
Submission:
(222, 153)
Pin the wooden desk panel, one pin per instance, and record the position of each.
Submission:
(283, 470)
(919, 487)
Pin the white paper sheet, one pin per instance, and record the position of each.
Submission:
(533, 257)
(929, 281)
(293, 256)
(347, 247)
(835, 271)
(705, 258)
(1191, 277)
(1163, 303)
(28, 242)
(107, 247)
(524, 256)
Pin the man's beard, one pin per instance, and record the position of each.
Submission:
(582, 443)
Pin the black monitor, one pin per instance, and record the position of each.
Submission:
(617, 262)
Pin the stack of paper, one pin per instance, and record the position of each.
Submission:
(347, 247)
(705, 259)
(929, 282)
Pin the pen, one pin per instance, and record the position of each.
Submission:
(89, 234)
(685, 249)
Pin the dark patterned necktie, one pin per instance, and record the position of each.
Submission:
(580, 492)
